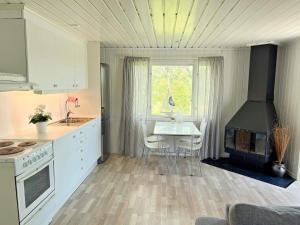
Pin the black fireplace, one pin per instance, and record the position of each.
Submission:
(248, 135)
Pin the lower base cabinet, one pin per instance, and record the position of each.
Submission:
(75, 155)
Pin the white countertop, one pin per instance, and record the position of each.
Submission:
(54, 132)
(176, 129)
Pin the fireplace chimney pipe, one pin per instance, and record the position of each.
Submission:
(262, 73)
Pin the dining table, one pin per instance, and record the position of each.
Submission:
(172, 128)
(176, 130)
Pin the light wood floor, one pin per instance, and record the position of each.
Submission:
(125, 191)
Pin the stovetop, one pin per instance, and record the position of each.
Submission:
(25, 154)
(12, 149)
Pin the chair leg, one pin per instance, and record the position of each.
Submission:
(147, 155)
(199, 161)
(192, 163)
(167, 159)
(175, 150)
(167, 155)
(143, 153)
(192, 155)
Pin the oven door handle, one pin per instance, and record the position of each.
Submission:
(32, 172)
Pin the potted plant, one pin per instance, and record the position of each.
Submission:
(281, 137)
(40, 118)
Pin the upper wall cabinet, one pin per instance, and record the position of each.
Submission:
(48, 58)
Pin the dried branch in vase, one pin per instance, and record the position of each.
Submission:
(281, 140)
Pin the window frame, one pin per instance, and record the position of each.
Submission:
(174, 62)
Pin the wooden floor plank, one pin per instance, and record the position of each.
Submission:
(126, 191)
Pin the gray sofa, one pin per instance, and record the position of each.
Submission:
(246, 214)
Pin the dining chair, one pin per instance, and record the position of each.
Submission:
(160, 146)
(202, 129)
(193, 145)
(151, 138)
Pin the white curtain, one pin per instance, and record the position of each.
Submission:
(136, 81)
(209, 92)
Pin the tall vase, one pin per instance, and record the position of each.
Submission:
(279, 170)
(42, 127)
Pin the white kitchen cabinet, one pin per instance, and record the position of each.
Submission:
(75, 155)
(66, 167)
(94, 141)
(92, 146)
(81, 78)
(50, 59)
(56, 61)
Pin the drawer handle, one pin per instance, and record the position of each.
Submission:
(55, 85)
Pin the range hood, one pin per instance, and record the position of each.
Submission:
(258, 112)
(16, 86)
(13, 49)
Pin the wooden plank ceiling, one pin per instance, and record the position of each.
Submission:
(174, 23)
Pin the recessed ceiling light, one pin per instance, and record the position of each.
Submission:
(75, 25)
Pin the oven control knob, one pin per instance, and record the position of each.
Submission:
(46, 153)
(38, 156)
(34, 159)
(29, 162)
(25, 164)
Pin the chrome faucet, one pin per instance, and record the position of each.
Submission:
(68, 116)
(68, 111)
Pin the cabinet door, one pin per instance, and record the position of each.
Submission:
(81, 74)
(94, 138)
(51, 57)
(66, 166)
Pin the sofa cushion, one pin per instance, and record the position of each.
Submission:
(210, 221)
(246, 214)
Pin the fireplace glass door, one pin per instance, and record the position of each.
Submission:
(246, 141)
(242, 140)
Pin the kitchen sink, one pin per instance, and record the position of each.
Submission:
(72, 121)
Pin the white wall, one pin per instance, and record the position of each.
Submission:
(287, 103)
(236, 68)
(15, 107)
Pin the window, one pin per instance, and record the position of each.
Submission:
(172, 84)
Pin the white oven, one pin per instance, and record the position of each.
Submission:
(34, 186)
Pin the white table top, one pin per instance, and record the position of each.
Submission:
(176, 129)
